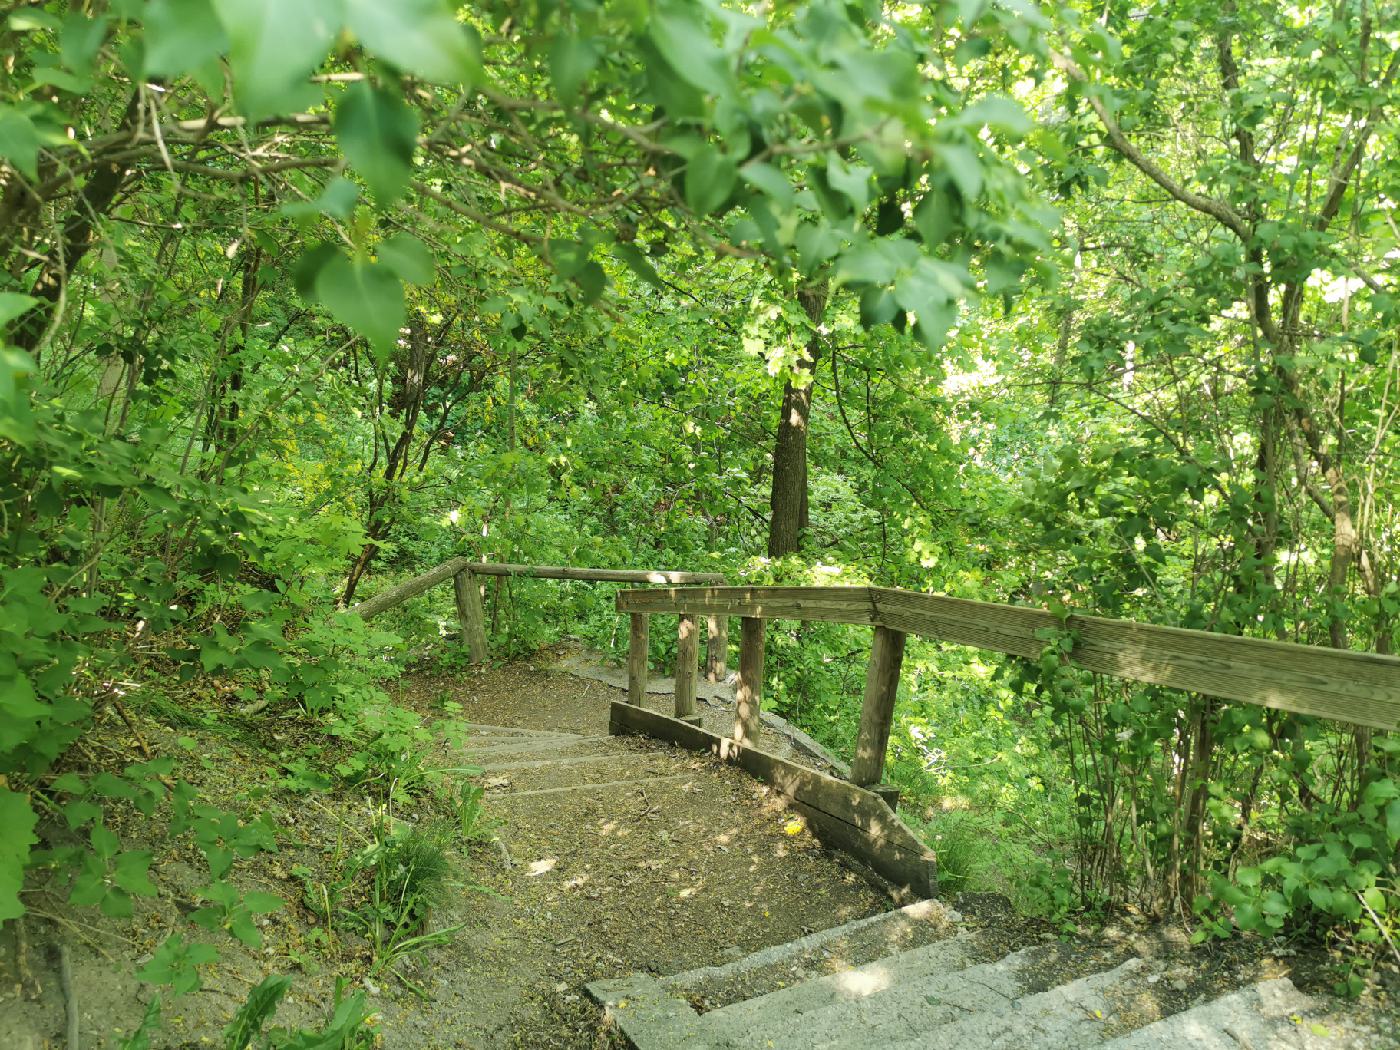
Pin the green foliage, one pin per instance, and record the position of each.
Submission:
(349, 1027)
(177, 963)
(256, 1011)
(300, 297)
(18, 820)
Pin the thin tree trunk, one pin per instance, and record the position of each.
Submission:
(788, 508)
(51, 285)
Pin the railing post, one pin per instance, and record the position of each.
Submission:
(717, 648)
(468, 594)
(748, 694)
(687, 656)
(638, 646)
(877, 710)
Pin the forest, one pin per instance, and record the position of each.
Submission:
(1090, 307)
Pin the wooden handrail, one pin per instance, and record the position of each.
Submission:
(1362, 688)
(467, 592)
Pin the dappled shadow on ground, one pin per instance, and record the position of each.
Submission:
(614, 856)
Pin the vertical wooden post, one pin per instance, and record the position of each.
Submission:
(748, 695)
(468, 595)
(687, 656)
(717, 648)
(877, 711)
(638, 646)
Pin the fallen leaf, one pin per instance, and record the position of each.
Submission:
(539, 867)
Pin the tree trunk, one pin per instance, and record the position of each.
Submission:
(413, 366)
(72, 243)
(788, 512)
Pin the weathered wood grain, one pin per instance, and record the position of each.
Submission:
(450, 568)
(835, 604)
(687, 655)
(638, 653)
(404, 591)
(467, 593)
(877, 709)
(568, 572)
(748, 693)
(716, 648)
(1363, 688)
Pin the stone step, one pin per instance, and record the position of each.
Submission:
(839, 948)
(1071, 1016)
(500, 748)
(485, 729)
(1254, 1018)
(554, 762)
(873, 1004)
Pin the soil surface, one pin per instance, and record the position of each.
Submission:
(601, 856)
(597, 857)
(624, 856)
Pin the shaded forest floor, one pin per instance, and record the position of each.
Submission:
(595, 857)
(672, 862)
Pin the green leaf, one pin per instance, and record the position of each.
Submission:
(571, 59)
(336, 200)
(12, 304)
(274, 46)
(770, 181)
(130, 873)
(181, 35)
(592, 280)
(684, 42)
(816, 242)
(116, 904)
(408, 257)
(207, 918)
(998, 112)
(638, 263)
(366, 296)
(378, 133)
(964, 168)
(80, 41)
(259, 903)
(850, 180)
(105, 842)
(175, 963)
(709, 179)
(935, 217)
(30, 19)
(421, 37)
(19, 143)
(17, 822)
(241, 925)
(255, 1012)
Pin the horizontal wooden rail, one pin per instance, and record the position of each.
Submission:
(834, 604)
(411, 588)
(557, 572)
(1363, 688)
(467, 592)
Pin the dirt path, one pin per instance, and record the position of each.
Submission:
(624, 856)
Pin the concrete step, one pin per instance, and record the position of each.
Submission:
(1271, 1014)
(840, 948)
(483, 729)
(892, 999)
(501, 747)
(1069, 1017)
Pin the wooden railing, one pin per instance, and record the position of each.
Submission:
(463, 573)
(1362, 688)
